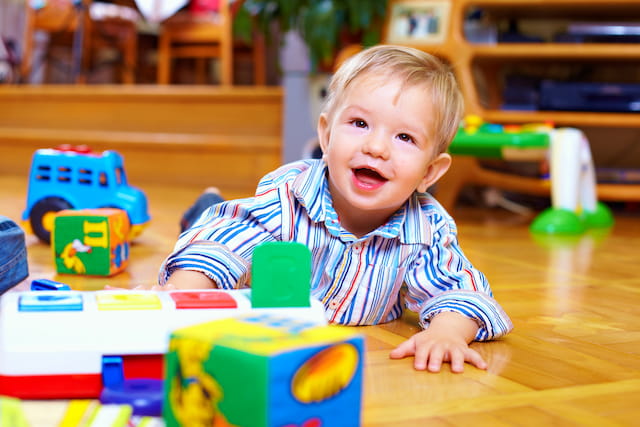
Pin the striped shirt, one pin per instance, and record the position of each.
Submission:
(414, 259)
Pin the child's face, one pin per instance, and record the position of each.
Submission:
(379, 149)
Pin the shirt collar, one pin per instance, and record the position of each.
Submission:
(409, 224)
(310, 188)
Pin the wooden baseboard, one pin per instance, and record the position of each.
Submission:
(196, 135)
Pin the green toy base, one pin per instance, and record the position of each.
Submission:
(558, 221)
(563, 221)
(600, 218)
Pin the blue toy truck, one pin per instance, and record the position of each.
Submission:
(77, 178)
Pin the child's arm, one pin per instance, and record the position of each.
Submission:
(445, 340)
(179, 279)
(188, 279)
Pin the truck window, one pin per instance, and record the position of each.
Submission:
(44, 173)
(64, 174)
(84, 176)
(120, 176)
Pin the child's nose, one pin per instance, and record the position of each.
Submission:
(376, 146)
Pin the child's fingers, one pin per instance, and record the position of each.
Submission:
(458, 357)
(475, 359)
(457, 361)
(407, 348)
(436, 357)
(423, 354)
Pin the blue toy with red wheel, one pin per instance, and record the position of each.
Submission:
(70, 177)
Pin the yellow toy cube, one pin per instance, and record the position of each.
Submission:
(263, 370)
(91, 241)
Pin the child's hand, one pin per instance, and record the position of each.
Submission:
(446, 340)
(167, 287)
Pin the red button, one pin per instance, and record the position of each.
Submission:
(198, 299)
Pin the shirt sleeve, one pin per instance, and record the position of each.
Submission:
(220, 244)
(443, 279)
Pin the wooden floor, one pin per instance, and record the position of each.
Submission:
(573, 358)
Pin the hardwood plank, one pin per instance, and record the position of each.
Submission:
(572, 359)
(173, 109)
(194, 135)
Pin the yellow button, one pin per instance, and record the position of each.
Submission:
(128, 301)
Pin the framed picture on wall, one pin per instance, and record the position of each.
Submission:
(418, 21)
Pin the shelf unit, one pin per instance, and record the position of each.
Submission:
(480, 68)
(475, 63)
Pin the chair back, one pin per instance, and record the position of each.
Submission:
(62, 19)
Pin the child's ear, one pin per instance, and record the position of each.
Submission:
(323, 132)
(435, 170)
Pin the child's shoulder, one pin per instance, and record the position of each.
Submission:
(286, 173)
(437, 216)
(293, 169)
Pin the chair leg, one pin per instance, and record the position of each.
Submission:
(259, 60)
(129, 47)
(201, 70)
(27, 50)
(86, 49)
(164, 60)
(226, 60)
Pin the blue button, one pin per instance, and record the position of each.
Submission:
(48, 285)
(112, 371)
(145, 396)
(61, 301)
(494, 128)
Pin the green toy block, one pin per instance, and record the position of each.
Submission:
(91, 241)
(263, 370)
(280, 275)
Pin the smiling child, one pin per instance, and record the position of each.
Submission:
(364, 212)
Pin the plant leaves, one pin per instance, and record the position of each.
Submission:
(321, 23)
(320, 31)
(242, 25)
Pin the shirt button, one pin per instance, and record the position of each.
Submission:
(334, 304)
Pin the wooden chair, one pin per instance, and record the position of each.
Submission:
(62, 20)
(205, 36)
(115, 27)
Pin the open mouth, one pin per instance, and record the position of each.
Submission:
(368, 177)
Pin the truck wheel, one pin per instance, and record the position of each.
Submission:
(42, 214)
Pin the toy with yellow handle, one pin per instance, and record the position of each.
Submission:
(573, 186)
(575, 206)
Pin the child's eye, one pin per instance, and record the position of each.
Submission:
(405, 138)
(359, 123)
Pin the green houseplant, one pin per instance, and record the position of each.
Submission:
(324, 25)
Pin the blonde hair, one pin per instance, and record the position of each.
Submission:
(414, 67)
